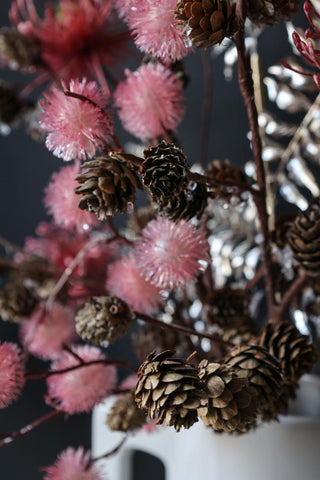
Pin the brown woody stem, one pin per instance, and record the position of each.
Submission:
(108, 454)
(247, 90)
(296, 287)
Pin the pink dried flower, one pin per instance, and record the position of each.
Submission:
(154, 26)
(80, 389)
(72, 464)
(45, 333)
(76, 37)
(12, 376)
(62, 202)
(125, 281)
(169, 254)
(77, 127)
(150, 101)
(124, 6)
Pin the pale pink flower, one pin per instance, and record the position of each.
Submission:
(150, 101)
(169, 254)
(62, 202)
(12, 376)
(124, 6)
(125, 281)
(155, 28)
(45, 333)
(72, 464)
(76, 127)
(81, 388)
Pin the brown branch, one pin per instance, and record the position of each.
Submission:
(247, 90)
(296, 287)
(180, 328)
(209, 181)
(108, 454)
(206, 107)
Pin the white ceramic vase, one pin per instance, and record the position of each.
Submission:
(285, 450)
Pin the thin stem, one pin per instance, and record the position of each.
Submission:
(197, 177)
(11, 246)
(109, 453)
(206, 107)
(296, 286)
(180, 328)
(247, 91)
(11, 437)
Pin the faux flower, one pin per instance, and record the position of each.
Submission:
(77, 127)
(170, 254)
(76, 37)
(45, 333)
(12, 376)
(154, 26)
(125, 281)
(72, 464)
(62, 202)
(81, 388)
(149, 101)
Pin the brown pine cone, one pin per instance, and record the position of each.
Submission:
(164, 171)
(241, 335)
(170, 389)
(185, 205)
(12, 107)
(107, 185)
(227, 307)
(16, 302)
(231, 405)
(208, 21)
(304, 238)
(222, 171)
(269, 12)
(295, 352)
(103, 319)
(263, 373)
(20, 50)
(125, 415)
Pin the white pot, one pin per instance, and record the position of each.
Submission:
(285, 450)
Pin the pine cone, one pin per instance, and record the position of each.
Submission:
(149, 338)
(107, 186)
(231, 404)
(125, 415)
(12, 107)
(170, 388)
(20, 50)
(304, 239)
(263, 373)
(208, 21)
(228, 307)
(103, 319)
(241, 335)
(16, 302)
(222, 171)
(164, 171)
(185, 205)
(295, 352)
(270, 12)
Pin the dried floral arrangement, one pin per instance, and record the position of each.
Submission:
(186, 274)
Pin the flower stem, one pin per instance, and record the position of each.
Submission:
(206, 107)
(109, 453)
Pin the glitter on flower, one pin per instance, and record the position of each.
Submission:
(150, 101)
(154, 26)
(170, 254)
(11, 373)
(77, 127)
(72, 464)
(76, 37)
(62, 202)
(45, 333)
(80, 389)
(125, 281)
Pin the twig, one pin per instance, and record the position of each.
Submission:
(180, 328)
(296, 286)
(199, 178)
(206, 107)
(11, 437)
(108, 454)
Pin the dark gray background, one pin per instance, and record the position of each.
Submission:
(25, 170)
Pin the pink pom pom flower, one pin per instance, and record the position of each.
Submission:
(154, 26)
(12, 376)
(125, 281)
(77, 126)
(61, 201)
(72, 464)
(149, 101)
(170, 254)
(45, 333)
(81, 388)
